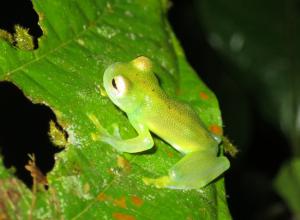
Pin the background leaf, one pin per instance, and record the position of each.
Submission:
(287, 184)
(90, 179)
(259, 43)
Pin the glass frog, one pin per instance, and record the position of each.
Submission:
(134, 88)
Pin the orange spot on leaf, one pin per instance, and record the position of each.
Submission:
(170, 154)
(216, 129)
(102, 197)
(123, 164)
(110, 171)
(86, 188)
(121, 216)
(137, 201)
(120, 202)
(203, 96)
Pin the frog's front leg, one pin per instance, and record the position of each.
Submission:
(140, 143)
(193, 171)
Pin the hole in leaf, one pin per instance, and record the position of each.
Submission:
(20, 12)
(24, 128)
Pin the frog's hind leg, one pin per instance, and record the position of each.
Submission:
(193, 171)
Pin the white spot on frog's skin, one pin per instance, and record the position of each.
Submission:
(236, 42)
(81, 42)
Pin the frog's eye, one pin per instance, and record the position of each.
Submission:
(120, 84)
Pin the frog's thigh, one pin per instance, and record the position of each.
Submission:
(193, 171)
(196, 170)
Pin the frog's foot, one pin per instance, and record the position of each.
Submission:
(102, 133)
(140, 143)
(194, 171)
(161, 182)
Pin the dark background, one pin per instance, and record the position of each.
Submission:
(262, 144)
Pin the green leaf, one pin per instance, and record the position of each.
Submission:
(90, 179)
(287, 184)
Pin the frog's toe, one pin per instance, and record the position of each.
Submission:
(95, 136)
(102, 135)
(117, 131)
(161, 182)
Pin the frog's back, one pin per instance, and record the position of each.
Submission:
(179, 125)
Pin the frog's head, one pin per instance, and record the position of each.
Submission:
(129, 84)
